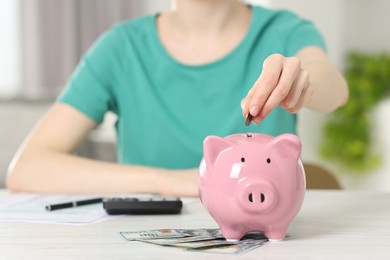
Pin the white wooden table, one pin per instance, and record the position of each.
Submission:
(331, 225)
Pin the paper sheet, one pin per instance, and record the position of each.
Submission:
(25, 207)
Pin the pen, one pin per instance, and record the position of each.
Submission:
(73, 204)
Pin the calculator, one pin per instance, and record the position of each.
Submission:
(147, 206)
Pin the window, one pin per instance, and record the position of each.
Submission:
(10, 69)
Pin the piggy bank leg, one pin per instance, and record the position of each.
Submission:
(275, 235)
(232, 234)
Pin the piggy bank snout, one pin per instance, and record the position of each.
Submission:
(258, 196)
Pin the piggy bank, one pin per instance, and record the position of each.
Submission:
(252, 182)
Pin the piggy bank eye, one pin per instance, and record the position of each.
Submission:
(242, 159)
(268, 160)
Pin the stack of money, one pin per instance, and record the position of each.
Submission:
(203, 240)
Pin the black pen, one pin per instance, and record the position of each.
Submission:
(73, 204)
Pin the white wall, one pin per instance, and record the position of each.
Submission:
(368, 25)
(156, 6)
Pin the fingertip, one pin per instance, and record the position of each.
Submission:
(260, 117)
(255, 120)
(243, 104)
(254, 110)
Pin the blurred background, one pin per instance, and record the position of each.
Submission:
(43, 40)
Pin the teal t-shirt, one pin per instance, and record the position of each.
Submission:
(165, 108)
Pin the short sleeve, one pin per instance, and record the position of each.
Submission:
(299, 33)
(90, 89)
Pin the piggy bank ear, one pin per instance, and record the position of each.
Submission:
(288, 143)
(212, 148)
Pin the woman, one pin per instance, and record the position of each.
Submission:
(173, 79)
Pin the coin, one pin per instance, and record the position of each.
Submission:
(248, 119)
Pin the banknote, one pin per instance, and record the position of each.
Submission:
(205, 231)
(243, 246)
(201, 240)
(153, 234)
(172, 235)
(205, 243)
(175, 241)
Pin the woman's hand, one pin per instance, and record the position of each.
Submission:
(282, 83)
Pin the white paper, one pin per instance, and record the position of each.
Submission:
(24, 207)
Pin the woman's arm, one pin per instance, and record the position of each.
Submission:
(45, 163)
(330, 90)
(307, 80)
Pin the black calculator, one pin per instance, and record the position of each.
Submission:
(147, 206)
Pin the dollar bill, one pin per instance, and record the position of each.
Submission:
(205, 243)
(243, 246)
(193, 235)
(153, 234)
(201, 240)
(201, 232)
(176, 241)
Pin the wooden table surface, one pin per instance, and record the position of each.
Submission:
(331, 225)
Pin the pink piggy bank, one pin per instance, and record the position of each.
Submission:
(252, 182)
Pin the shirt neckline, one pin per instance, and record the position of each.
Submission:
(167, 57)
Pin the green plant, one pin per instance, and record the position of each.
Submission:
(347, 138)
